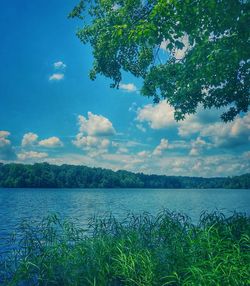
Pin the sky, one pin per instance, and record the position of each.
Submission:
(50, 111)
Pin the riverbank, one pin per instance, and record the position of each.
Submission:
(166, 249)
(44, 175)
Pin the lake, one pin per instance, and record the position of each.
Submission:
(33, 204)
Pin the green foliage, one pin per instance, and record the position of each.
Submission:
(126, 35)
(45, 175)
(166, 249)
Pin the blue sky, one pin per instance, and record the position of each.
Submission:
(51, 111)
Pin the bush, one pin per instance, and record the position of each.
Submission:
(142, 250)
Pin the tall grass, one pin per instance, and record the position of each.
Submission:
(142, 250)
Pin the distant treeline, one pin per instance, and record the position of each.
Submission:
(44, 175)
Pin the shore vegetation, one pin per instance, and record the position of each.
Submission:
(143, 250)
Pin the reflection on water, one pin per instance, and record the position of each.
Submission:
(33, 204)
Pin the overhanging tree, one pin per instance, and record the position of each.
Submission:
(207, 54)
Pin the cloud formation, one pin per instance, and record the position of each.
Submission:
(157, 116)
(172, 165)
(31, 155)
(95, 125)
(51, 142)
(56, 77)
(59, 65)
(82, 141)
(6, 151)
(220, 134)
(128, 87)
(233, 134)
(204, 124)
(3, 138)
(198, 146)
(163, 146)
(31, 139)
(94, 132)
(59, 75)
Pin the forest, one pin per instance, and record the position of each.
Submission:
(44, 175)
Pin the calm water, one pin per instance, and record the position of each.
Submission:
(19, 204)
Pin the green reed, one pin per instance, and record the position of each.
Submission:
(166, 249)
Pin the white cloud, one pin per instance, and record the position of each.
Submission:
(131, 143)
(122, 150)
(207, 166)
(179, 144)
(197, 146)
(32, 155)
(125, 146)
(235, 133)
(204, 123)
(93, 133)
(157, 116)
(220, 135)
(51, 142)
(82, 141)
(4, 133)
(3, 140)
(128, 87)
(189, 127)
(195, 123)
(56, 77)
(95, 125)
(161, 116)
(7, 153)
(144, 154)
(122, 161)
(163, 146)
(85, 141)
(173, 164)
(59, 65)
(29, 139)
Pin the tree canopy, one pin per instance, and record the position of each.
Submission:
(190, 52)
(44, 175)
